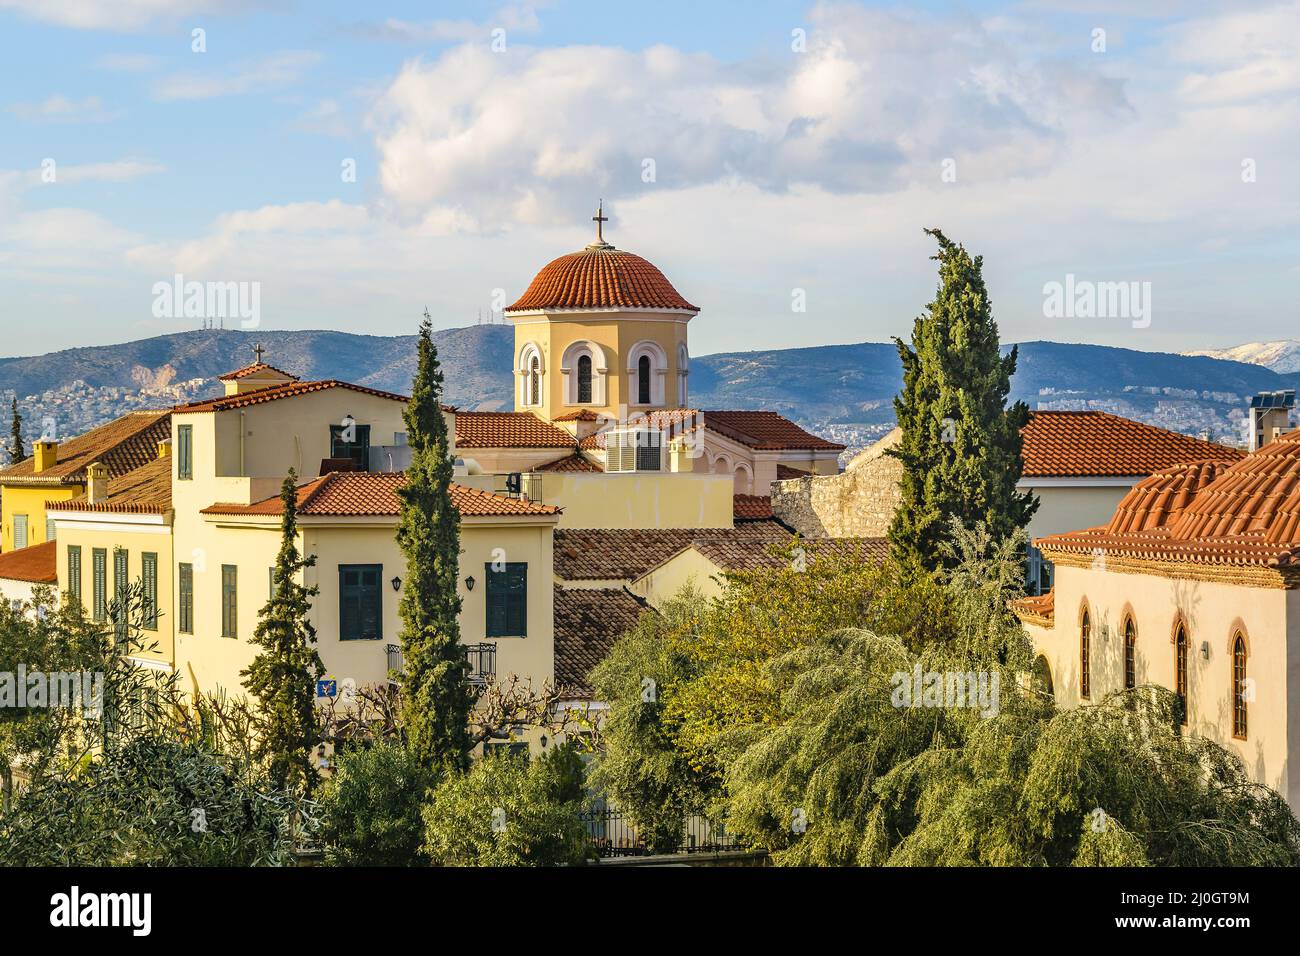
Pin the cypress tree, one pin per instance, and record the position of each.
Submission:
(961, 443)
(283, 675)
(436, 693)
(16, 451)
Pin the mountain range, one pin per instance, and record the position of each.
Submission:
(1281, 356)
(842, 391)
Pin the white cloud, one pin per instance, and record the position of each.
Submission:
(124, 15)
(513, 18)
(255, 76)
(60, 109)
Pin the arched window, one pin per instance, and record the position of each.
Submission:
(1085, 654)
(535, 381)
(1130, 654)
(643, 380)
(584, 379)
(683, 370)
(1239, 687)
(1180, 669)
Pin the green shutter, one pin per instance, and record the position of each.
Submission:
(74, 573)
(149, 572)
(361, 602)
(184, 452)
(120, 584)
(20, 531)
(99, 584)
(507, 600)
(185, 603)
(229, 600)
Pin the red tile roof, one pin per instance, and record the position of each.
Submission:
(620, 554)
(508, 430)
(1040, 608)
(254, 369)
(147, 490)
(277, 392)
(736, 556)
(762, 431)
(785, 472)
(574, 462)
(1158, 499)
(36, 564)
(122, 445)
(1097, 444)
(600, 277)
(751, 507)
(587, 623)
(362, 494)
(1249, 513)
(583, 415)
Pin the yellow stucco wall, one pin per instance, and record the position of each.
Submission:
(638, 499)
(136, 540)
(617, 334)
(1212, 612)
(1062, 509)
(686, 567)
(29, 501)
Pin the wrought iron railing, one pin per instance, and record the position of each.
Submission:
(612, 834)
(482, 661)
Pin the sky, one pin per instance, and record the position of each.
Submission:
(356, 164)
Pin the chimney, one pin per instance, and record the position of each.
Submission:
(46, 454)
(165, 448)
(1270, 416)
(96, 483)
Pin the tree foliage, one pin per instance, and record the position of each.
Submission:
(16, 450)
(436, 693)
(370, 807)
(282, 677)
(961, 444)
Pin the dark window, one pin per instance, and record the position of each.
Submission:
(99, 583)
(185, 603)
(120, 584)
(361, 602)
(149, 575)
(1130, 654)
(1180, 669)
(1239, 692)
(1085, 639)
(643, 380)
(229, 600)
(351, 441)
(496, 749)
(535, 381)
(584, 379)
(74, 572)
(184, 452)
(507, 600)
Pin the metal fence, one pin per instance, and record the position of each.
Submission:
(482, 661)
(612, 834)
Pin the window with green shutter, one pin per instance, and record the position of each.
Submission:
(507, 600)
(99, 583)
(49, 529)
(74, 572)
(184, 452)
(361, 602)
(185, 598)
(149, 576)
(20, 531)
(120, 584)
(229, 602)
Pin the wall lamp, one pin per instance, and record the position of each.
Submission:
(469, 583)
(397, 584)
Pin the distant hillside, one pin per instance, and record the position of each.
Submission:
(842, 391)
(1282, 356)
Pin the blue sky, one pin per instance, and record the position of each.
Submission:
(779, 173)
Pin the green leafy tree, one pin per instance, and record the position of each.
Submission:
(370, 807)
(436, 692)
(506, 811)
(961, 443)
(16, 451)
(283, 675)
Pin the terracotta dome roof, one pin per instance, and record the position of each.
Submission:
(600, 277)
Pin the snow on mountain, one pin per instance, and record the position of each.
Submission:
(1283, 356)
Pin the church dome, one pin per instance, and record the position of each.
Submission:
(600, 277)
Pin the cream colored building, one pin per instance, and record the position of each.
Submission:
(1194, 584)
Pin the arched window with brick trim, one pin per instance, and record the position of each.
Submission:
(1239, 687)
(1130, 654)
(1180, 669)
(1085, 655)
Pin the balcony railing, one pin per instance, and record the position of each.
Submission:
(482, 661)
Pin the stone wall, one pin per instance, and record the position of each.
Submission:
(859, 502)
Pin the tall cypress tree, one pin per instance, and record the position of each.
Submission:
(283, 675)
(961, 444)
(436, 693)
(16, 451)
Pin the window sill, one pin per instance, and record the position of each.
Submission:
(504, 637)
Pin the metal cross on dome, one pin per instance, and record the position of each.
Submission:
(259, 351)
(600, 219)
